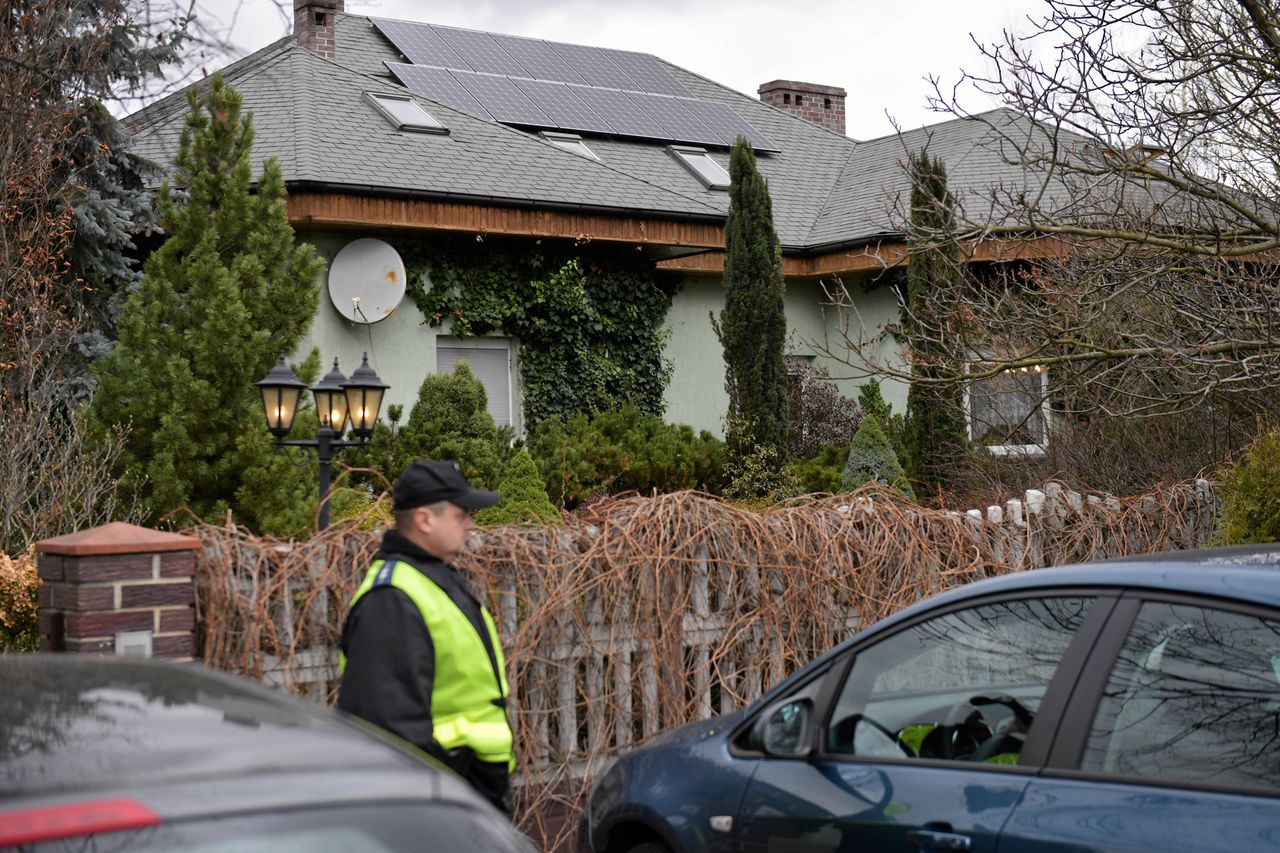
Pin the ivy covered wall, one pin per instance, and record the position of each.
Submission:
(589, 320)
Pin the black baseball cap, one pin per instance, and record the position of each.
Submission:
(427, 482)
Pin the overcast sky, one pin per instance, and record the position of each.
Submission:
(881, 51)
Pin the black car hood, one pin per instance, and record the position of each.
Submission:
(71, 722)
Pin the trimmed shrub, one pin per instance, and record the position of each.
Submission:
(361, 509)
(823, 472)
(19, 603)
(1251, 494)
(524, 499)
(760, 478)
(871, 458)
(871, 401)
(622, 450)
(450, 420)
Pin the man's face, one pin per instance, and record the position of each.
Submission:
(443, 528)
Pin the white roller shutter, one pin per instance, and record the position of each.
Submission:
(490, 362)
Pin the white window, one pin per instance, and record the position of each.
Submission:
(490, 362)
(571, 142)
(1009, 412)
(699, 161)
(405, 113)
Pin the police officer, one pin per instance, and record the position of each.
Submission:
(420, 654)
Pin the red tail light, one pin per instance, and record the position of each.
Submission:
(73, 819)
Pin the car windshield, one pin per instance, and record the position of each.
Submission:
(380, 828)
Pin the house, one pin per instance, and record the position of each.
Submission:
(391, 128)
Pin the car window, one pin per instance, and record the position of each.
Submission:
(964, 686)
(1194, 697)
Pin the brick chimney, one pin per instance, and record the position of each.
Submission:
(822, 105)
(313, 25)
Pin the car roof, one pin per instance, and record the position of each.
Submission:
(1244, 572)
(80, 724)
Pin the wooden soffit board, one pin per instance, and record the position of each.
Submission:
(872, 257)
(350, 211)
(344, 211)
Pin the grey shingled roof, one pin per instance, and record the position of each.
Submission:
(980, 153)
(312, 115)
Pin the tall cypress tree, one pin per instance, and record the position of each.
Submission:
(752, 327)
(226, 293)
(936, 433)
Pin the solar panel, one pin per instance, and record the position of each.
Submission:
(573, 87)
(438, 85)
(419, 43)
(647, 71)
(481, 52)
(594, 66)
(563, 107)
(679, 123)
(503, 99)
(618, 110)
(539, 58)
(728, 125)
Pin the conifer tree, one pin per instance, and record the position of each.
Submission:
(752, 328)
(524, 497)
(871, 458)
(936, 436)
(227, 292)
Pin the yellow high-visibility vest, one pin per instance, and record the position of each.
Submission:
(469, 691)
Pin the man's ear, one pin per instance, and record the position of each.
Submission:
(424, 519)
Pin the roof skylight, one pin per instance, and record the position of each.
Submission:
(571, 142)
(698, 161)
(407, 114)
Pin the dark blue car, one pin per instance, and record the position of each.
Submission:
(1120, 706)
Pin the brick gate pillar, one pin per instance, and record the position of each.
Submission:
(118, 589)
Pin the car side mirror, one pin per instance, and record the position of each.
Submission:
(783, 730)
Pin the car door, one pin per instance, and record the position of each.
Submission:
(925, 736)
(1171, 740)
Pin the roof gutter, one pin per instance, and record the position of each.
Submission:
(500, 201)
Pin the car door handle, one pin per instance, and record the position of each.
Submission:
(929, 839)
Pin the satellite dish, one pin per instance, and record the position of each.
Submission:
(366, 280)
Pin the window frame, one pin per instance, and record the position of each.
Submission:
(685, 156)
(571, 142)
(510, 346)
(376, 99)
(1067, 751)
(1009, 449)
(835, 668)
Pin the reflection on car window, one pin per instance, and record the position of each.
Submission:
(962, 687)
(1194, 697)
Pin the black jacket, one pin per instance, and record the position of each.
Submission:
(391, 662)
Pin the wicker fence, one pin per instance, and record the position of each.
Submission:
(648, 613)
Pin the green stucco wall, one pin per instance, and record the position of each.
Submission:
(696, 395)
(402, 349)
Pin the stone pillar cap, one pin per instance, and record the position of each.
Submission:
(118, 537)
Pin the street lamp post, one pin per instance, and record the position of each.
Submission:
(341, 403)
